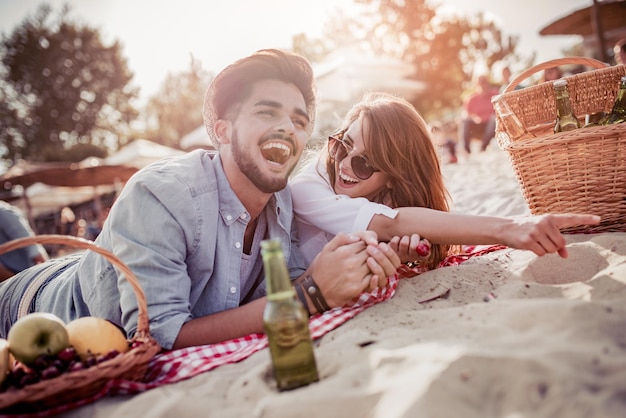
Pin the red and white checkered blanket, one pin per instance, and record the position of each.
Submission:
(177, 365)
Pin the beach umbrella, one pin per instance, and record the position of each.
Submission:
(604, 21)
(70, 176)
(50, 186)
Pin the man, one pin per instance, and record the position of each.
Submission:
(478, 115)
(14, 225)
(190, 227)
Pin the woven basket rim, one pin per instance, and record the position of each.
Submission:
(130, 365)
(557, 62)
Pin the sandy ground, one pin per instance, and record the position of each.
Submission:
(517, 336)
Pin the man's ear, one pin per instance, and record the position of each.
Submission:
(223, 130)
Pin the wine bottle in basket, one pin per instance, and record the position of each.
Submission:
(618, 113)
(286, 324)
(565, 118)
(510, 123)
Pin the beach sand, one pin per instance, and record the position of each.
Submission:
(517, 336)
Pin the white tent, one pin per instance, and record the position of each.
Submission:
(198, 138)
(140, 153)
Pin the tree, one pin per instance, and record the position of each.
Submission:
(445, 50)
(62, 88)
(176, 109)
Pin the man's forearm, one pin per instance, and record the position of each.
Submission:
(222, 326)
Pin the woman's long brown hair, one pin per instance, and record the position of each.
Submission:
(398, 143)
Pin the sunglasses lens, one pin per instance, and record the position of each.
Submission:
(337, 150)
(361, 168)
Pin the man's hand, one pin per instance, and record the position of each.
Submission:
(351, 264)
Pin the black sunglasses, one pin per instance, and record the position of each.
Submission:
(338, 150)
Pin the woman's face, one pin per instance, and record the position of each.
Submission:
(346, 181)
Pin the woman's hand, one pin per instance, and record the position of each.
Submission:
(411, 248)
(542, 234)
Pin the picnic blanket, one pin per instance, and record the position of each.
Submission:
(181, 364)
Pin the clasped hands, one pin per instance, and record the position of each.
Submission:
(351, 264)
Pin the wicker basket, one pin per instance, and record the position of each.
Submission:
(73, 386)
(583, 170)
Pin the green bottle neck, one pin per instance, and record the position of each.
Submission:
(620, 100)
(277, 280)
(563, 104)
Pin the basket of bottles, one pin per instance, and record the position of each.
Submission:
(566, 141)
(27, 388)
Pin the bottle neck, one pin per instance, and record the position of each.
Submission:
(620, 100)
(563, 104)
(277, 280)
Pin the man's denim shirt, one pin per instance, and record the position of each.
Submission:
(180, 228)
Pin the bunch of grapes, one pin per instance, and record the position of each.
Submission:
(47, 367)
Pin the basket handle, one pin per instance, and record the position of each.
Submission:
(76, 242)
(553, 63)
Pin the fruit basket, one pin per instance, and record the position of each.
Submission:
(73, 386)
(579, 171)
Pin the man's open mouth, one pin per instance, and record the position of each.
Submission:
(276, 152)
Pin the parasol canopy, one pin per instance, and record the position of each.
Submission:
(604, 21)
(612, 16)
(70, 175)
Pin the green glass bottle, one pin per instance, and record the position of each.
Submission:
(508, 120)
(618, 113)
(566, 120)
(286, 324)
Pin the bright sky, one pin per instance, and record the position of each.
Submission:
(158, 36)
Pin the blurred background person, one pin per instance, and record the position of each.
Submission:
(444, 141)
(478, 119)
(14, 225)
(551, 74)
(619, 52)
(506, 78)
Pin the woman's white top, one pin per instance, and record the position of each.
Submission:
(321, 213)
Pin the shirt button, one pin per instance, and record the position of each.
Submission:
(243, 216)
(237, 245)
(233, 289)
(228, 217)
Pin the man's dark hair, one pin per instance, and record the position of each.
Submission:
(233, 84)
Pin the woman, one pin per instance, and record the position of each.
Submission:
(381, 172)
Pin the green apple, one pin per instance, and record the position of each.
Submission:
(36, 334)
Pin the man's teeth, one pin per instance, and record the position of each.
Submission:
(280, 146)
(276, 152)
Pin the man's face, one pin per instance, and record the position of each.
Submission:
(269, 133)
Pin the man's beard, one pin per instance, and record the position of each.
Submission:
(247, 166)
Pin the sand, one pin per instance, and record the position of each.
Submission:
(517, 336)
